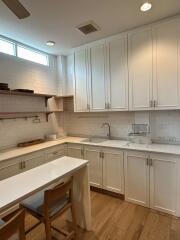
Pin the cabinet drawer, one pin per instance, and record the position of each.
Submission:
(75, 150)
(10, 169)
(56, 152)
(17, 165)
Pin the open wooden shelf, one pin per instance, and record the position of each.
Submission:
(10, 92)
(65, 96)
(25, 114)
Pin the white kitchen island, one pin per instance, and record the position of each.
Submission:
(17, 188)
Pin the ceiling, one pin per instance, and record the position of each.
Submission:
(56, 20)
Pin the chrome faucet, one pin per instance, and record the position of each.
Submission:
(109, 129)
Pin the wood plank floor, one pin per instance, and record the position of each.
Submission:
(114, 219)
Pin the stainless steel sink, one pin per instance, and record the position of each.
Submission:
(94, 140)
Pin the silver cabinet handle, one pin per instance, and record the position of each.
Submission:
(155, 103)
(150, 162)
(22, 165)
(100, 154)
(147, 161)
(82, 152)
(151, 103)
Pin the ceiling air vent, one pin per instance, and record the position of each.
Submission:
(88, 27)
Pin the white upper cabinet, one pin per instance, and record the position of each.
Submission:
(166, 64)
(97, 76)
(81, 80)
(69, 74)
(106, 79)
(117, 73)
(140, 68)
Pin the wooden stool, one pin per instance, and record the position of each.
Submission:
(49, 204)
(13, 226)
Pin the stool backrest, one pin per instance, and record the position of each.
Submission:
(52, 195)
(13, 226)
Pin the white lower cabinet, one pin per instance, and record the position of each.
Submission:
(137, 178)
(113, 170)
(93, 154)
(151, 180)
(106, 168)
(163, 183)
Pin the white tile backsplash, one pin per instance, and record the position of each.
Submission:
(164, 125)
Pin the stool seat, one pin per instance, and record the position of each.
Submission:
(1, 222)
(35, 203)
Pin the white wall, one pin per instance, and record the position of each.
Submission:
(20, 73)
(24, 74)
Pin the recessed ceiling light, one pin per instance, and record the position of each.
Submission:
(146, 6)
(50, 43)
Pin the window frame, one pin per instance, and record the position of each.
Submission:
(18, 44)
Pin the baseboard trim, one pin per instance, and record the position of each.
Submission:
(112, 194)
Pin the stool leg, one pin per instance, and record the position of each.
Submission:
(48, 229)
(74, 221)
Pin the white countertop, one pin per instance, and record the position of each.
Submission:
(20, 186)
(154, 148)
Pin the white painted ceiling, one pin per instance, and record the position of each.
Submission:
(56, 20)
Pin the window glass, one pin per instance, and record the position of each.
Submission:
(7, 47)
(32, 55)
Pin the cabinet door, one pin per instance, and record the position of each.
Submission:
(95, 165)
(97, 77)
(140, 68)
(163, 183)
(166, 64)
(81, 80)
(75, 151)
(117, 73)
(137, 178)
(113, 171)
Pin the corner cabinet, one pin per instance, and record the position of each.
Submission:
(81, 95)
(93, 155)
(152, 180)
